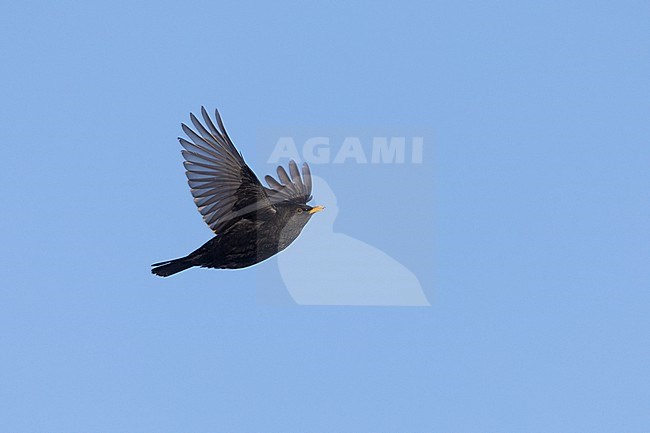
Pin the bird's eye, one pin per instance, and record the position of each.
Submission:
(299, 210)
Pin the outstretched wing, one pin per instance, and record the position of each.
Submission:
(292, 189)
(223, 186)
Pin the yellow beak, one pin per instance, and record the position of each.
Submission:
(316, 209)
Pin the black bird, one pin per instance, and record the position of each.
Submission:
(251, 222)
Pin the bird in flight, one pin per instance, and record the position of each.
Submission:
(251, 222)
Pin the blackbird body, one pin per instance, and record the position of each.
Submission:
(251, 222)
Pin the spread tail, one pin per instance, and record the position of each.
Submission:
(171, 267)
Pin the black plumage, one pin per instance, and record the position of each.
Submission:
(251, 222)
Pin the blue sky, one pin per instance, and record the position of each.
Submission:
(526, 224)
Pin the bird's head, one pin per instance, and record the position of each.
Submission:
(295, 217)
(304, 211)
(298, 214)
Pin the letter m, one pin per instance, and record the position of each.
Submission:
(387, 152)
